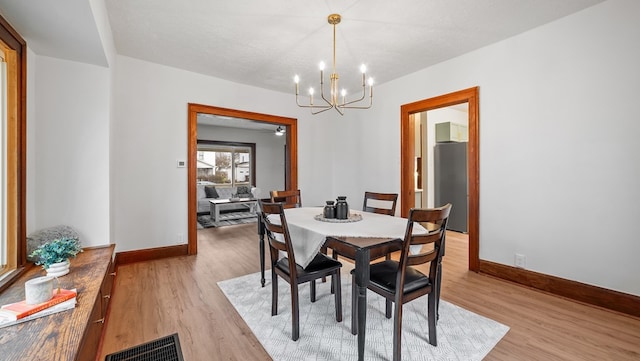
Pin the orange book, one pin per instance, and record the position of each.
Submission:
(22, 309)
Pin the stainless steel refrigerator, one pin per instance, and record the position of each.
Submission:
(450, 176)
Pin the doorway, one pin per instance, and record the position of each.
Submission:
(291, 155)
(408, 159)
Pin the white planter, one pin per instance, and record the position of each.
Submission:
(58, 269)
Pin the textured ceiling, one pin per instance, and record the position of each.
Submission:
(265, 43)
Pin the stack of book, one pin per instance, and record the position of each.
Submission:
(18, 312)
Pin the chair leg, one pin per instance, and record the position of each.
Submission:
(397, 330)
(431, 318)
(437, 291)
(313, 291)
(323, 250)
(335, 280)
(274, 293)
(295, 313)
(387, 311)
(334, 254)
(354, 306)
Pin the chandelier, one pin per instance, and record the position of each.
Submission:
(337, 100)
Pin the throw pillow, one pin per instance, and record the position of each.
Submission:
(210, 192)
(244, 191)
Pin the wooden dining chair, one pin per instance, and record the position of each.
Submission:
(383, 203)
(290, 198)
(399, 282)
(286, 267)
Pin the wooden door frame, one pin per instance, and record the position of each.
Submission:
(291, 156)
(407, 155)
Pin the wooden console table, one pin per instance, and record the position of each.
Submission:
(68, 335)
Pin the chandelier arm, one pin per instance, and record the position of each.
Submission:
(322, 90)
(311, 105)
(355, 107)
(325, 107)
(364, 92)
(320, 111)
(345, 106)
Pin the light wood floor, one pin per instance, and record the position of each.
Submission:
(158, 298)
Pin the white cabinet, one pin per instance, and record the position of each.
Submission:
(451, 132)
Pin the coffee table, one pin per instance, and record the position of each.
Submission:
(217, 203)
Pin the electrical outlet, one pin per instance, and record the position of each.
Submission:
(520, 261)
(180, 239)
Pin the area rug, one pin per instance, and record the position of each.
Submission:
(226, 219)
(462, 335)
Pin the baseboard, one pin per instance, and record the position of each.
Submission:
(150, 254)
(581, 292)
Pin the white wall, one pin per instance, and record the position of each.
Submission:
(269, 153)
(68, 144)
(150, 134)
(559, 156)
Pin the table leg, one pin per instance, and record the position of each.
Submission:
(216, 214)
(261, 232)
(362, 280)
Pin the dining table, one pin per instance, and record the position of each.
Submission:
(362, 237)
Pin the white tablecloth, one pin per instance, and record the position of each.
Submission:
(308, 235)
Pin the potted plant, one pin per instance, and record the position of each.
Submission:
(54, 256)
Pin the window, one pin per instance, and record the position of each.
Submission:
(12, 154)
(225, 163)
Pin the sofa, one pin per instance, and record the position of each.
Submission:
(207, 191)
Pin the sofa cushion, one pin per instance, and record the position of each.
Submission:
(210, 192)
(226, 192)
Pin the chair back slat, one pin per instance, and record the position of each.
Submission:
(273, 229)
(384, 203)
(437, 219)
(289, 198)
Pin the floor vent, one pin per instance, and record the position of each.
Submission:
(162, 349)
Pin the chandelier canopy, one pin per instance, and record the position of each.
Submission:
(336, 100)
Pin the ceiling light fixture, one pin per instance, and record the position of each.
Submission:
(334, 96)
(279, 131)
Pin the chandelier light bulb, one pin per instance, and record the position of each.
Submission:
(370, 81)
(363, 68)
(343, 92)
(321, 65)
(310, 91)
(296, 79)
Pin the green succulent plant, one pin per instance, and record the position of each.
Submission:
(58, 250)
